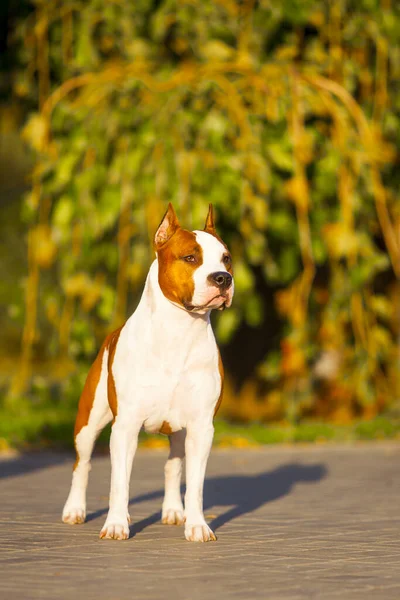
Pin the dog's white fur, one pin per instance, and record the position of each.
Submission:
(165, 369)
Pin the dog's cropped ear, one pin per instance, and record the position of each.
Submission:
(168, 226)
(210, 223)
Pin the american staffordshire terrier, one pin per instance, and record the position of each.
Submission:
(162, 371)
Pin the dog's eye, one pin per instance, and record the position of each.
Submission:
(190, 258)
(226, 259)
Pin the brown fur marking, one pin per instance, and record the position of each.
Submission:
(221, 372)
(112, 392)
(89, 389)
(165, 428)
(175, 275)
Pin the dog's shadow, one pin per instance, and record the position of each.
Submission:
(242, 494)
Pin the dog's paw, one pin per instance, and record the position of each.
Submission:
(172, 516)
(115, 531)
(199, 533)
(73, 516)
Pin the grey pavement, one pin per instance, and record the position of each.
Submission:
(316, 522)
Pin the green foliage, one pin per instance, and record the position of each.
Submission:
(44, 425)
(284, 115)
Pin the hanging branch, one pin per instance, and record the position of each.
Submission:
(301, 196)
(379, 192)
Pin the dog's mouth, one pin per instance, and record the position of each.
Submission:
(195, 308)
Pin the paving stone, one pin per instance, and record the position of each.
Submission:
(293, 523)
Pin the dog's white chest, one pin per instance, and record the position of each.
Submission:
(164, 373)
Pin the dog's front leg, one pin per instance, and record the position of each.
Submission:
(123, 444)
(198, 445)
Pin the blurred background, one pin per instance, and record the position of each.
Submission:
(286, 116)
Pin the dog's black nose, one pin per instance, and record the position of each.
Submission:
(222, 279)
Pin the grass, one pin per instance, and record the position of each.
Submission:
(379, 428)
(43, 426)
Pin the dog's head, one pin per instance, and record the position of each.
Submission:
(194, 267)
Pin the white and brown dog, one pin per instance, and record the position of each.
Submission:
(161, 370)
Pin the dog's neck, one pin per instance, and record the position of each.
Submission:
(158, 306)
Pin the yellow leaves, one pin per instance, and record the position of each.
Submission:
(41, 25)
(244, 59)
(208, 159)
(249, 405)
(246, 227)
(257, 207)
(6, 449)
(63, 214)
(288, 305)
(272, 73)
(317, 18)
(293, 360)
(293, 301)
(341, 241)
(88, 290)
(52, 311)
(272, 108)
(76, 284)
(284, 301)
(135, 273)
(330, 333)
(343, 415)
(286, 53)
(235, 441)
(381, 306)
(260, 212)
(256, 170)
(215, 50)
(381, 151)
(296, 189)
(36, 132)
(106, 43)
(43, 248)
(231, 7)
(185, 161)
(304, 147)
(22, 87)
(32, 200)
(93, 293)
(181, 45)
(153, 208)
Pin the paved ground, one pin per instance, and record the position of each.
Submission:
(292, 524)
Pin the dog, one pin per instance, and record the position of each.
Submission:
(161, 371)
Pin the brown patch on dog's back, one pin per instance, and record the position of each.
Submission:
(221, 372)
(175, 275)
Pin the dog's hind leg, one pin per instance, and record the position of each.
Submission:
(93, 415)
(172, 508)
